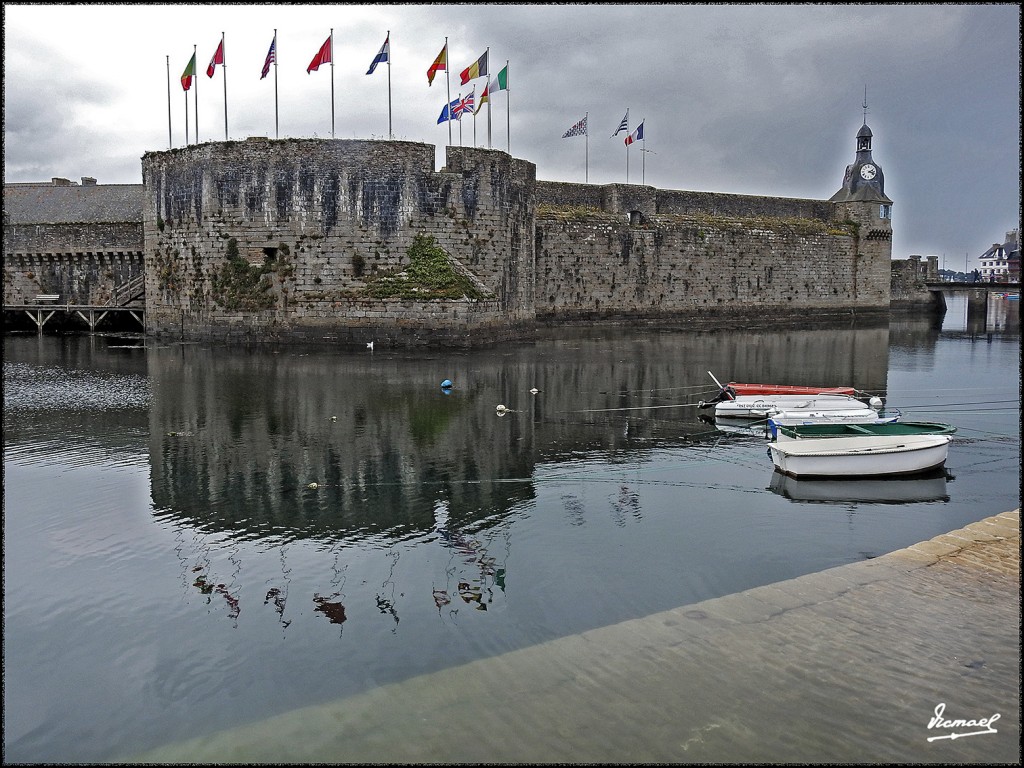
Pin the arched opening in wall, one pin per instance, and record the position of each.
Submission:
(270, 253)
(635, 218)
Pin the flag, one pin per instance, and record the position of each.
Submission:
(637, 135)
(500, 82)
(475, 70)
(441, 62)
(218, 58)
(580, 129)
(383, 56)
(188, 74)
(448, 113)
(483, 99)
(623, 126)
(323, 56)
(271, 58)
(465, 105)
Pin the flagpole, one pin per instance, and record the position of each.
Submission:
(277, 131)
(224, 75)
(195, 83)
(391, 134)
(332, 82)
(586, 149)
(447, 79)
(508, 113)
(487, 53)
(170, 141)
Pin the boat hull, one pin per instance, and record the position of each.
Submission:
(866, 456)
(763, 406)
(784, 433)
(787, 389)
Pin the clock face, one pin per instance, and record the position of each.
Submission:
(867, 172)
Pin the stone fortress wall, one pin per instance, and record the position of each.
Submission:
(264, 240)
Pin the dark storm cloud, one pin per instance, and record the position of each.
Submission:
(752, 99)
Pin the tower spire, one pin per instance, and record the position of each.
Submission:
(865, 105)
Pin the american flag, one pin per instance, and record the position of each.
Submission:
(580, 129)
(271, 57)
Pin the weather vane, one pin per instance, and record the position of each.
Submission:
(865, 104)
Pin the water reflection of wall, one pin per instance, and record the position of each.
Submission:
(237, 439)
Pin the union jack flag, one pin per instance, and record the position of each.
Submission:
(464, 105)
(271, 57)
(580, 129)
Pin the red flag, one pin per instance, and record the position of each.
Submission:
(441, 62)
(218, 58)
(323, 56)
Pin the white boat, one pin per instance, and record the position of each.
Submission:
(763, 406)
(861, 456)
(866, 416)
(820, 430)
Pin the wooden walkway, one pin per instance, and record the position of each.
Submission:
(91, 314)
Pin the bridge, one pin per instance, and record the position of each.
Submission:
(123, 300)
(943, 285)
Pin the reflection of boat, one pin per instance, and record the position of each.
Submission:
(763, 406)
(889, 490)
(783, 433)
(863, 456)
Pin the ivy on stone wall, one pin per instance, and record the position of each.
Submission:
(430, 275)
(241, 286)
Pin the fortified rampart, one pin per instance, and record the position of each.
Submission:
(637, 252)
(314, 220)
(78, 242)
(264, 240)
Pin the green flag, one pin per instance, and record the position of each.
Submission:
(188, 74)
(500, 83)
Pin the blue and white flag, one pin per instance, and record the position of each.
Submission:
(383, 56)
(450, 111)
(623, 126)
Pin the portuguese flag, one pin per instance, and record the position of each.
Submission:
(188, 74)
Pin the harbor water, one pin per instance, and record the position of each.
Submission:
(197, 538)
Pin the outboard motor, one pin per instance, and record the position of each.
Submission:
(724, 394)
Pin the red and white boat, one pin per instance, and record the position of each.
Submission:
(787, 389)
(735, 388)
(760, 401)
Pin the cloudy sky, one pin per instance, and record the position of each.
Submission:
(748, 99)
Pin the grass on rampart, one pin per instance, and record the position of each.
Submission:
(430, 275)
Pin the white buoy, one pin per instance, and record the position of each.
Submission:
(369, 345)
(501, 409)
(875, 402)
(534, 391)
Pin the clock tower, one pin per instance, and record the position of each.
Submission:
(862, 200)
